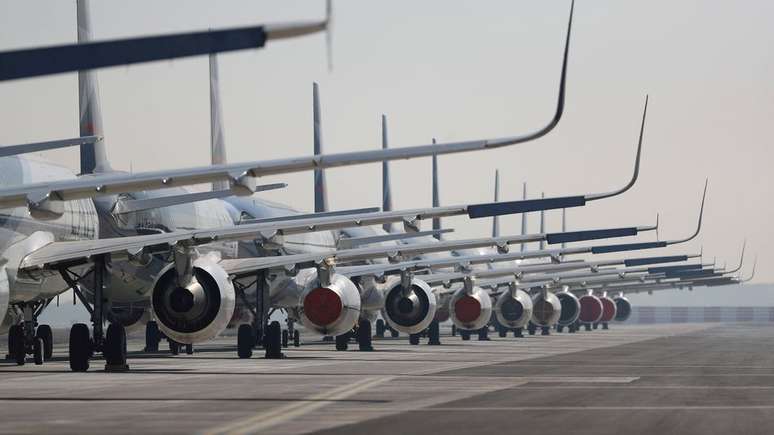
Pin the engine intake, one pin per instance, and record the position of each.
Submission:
(198, 311)
(332, 309)
(608, 309)
(470, 311)
(411, 310)
(570, 308)
(546, 309)
(513, 308)
(591, 309)
(623, 309)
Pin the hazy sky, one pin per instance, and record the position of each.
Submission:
(454, 70)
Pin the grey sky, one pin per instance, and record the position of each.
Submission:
(453, 70)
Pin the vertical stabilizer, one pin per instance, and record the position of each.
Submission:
(496, 219)
(320, 191)
(542, 224)
(436, 194)
(386, 188)
(524, 217)
(93, 156)
(217, 141)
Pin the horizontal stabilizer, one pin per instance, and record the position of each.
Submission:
(12, 150)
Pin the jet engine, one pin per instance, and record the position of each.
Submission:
(608, 309)
(513, 308)
(131, 316)
(546, 309)
(330, 309)
(470, 310)
(570, 308)
(623, 308)
(590, 309)
(197, 311)
(408, 310)
(5, 297)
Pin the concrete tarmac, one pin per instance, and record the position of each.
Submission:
(681, 379)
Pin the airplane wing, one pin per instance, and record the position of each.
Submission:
(41, 61)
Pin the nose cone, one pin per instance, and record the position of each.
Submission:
(322, 306)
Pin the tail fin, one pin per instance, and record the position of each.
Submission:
(320, 190)
(542, 223)
(386, 193)
(524, 218)
(217, 141)
(496, 219)
(436, 195)
(93, 155)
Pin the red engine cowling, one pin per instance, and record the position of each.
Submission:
(591, 309)
(470, 310)
(608, 309)
(330, 309)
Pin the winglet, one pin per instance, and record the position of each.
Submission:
(636, 174)
(329, 33)
(698, 226)
(741, 258)
(752, 275)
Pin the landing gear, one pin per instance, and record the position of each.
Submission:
(273, 341)
(483, 334)
(80, 347)
(152, 337)
(531, 329)
(604, 325)
(44, 333)
(342, 341)
(434, 333)
(517, 333)
(545, 330)
(16, 347)
(296, 338)
(364, 336)
(414, 339)
(588, 326)
(37, 351)
(285, 338)
(596, 325)
(464, 334)
(114, 348)
(502, 332)
(454, 330)
(394, 333)
(245, 341)
(560, 328)
(380, 328)
(189, 349)
(174, 347)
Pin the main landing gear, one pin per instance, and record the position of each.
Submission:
(261, 332)
(83, 344)
(29, 338)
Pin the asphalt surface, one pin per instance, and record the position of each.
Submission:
(634, 379)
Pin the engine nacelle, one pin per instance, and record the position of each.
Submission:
(608, 309)
(132, 317)
(198, 311)
(411, 310)
(513, 308)
(546, 309)
(570, 308)
(332, 309)
(591, 309)
(470, 311)
(623, 309)
(5, 297)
